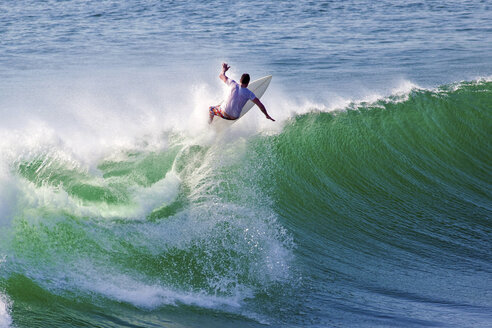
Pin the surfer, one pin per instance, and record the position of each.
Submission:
(239, 95)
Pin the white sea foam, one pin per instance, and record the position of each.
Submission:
(37, 141)
(123, 288)
(142, 202)
(163, 192)
(8, 193)
(7, 197)
(5, 318)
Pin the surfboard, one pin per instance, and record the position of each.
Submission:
(258, 87)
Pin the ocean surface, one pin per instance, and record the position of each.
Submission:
(368, 203)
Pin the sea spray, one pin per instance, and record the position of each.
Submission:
(5, 318)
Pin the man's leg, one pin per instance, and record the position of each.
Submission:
(214, 111)
(211, 115)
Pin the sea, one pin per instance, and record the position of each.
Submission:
(367, 203)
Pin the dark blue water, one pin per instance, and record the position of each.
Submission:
(367, 204)
(333, 43)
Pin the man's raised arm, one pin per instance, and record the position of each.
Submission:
(222, 75)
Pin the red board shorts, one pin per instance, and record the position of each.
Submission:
(217, 111)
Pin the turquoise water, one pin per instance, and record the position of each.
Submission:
(366, 204)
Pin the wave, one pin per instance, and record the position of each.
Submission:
(221, 221)
(408, 157)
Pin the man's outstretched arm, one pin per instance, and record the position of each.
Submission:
(222, 75)
(262, 108)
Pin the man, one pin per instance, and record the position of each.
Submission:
(239, 95)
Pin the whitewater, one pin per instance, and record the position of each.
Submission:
(366, 204)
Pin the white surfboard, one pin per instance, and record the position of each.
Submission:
(258, 87)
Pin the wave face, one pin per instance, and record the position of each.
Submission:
(376, 214)
(391, 202)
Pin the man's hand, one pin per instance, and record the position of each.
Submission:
(222, 75)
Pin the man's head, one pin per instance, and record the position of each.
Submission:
(244, 79)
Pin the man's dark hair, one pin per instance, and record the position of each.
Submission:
(244, 79)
